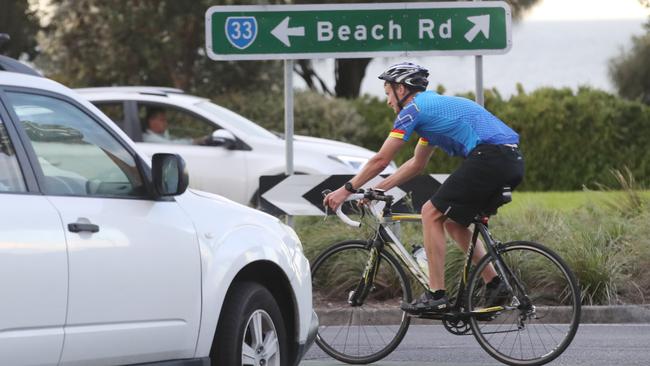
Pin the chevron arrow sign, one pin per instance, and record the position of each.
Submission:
(301, 195)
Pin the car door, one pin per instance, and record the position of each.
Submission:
(33, 266)
(215, 169)
(134, 267)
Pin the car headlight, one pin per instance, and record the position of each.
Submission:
(354, 162)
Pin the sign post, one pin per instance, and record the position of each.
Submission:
(288, 121)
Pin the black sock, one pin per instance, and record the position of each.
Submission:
(438, 294)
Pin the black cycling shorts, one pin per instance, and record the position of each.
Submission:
(469, 190)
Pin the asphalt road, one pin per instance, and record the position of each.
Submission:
(594, 344)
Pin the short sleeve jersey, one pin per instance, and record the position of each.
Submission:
(454, 124)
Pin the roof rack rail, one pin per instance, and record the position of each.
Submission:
(11, 65)
(155, 90)
(4, 38)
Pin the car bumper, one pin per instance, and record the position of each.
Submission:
(311, 336)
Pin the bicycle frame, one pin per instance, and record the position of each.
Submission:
(386, 237)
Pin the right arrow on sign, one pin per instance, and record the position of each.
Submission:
(481, 24)
(282, 31)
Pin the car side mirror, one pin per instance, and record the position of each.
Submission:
(224, 138)
(169, 173)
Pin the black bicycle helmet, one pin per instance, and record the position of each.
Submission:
(407, 73)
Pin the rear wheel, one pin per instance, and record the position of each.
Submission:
(251, 329)
(539, 319)
(357, 334)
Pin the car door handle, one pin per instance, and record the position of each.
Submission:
(81, 227)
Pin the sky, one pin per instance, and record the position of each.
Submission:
(587, 10)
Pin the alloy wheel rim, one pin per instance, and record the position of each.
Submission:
(260, 346)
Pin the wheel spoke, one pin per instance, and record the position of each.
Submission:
(270, 345)
(256, 332)
(248, 355)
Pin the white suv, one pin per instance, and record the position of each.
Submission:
(108, 261)
(239, 152)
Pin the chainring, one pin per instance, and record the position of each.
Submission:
(456, 326)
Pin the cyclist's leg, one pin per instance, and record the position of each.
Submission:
(435, 299)
(462, 236)
(434, 244)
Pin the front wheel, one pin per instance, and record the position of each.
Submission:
(251, 329)
(539, 319)
(361, 333)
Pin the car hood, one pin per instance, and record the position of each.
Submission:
(330, 146)
(195, 203)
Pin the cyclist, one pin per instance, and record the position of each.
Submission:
(459, 127)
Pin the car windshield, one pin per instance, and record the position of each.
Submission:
(239, 122)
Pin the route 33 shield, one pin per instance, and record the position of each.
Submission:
(241, 31)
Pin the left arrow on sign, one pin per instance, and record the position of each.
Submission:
(481, 24)
(282, 31)
(288, 195)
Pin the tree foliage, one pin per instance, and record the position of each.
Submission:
(161, 42)
(21, 23)
(630, 71)
(150, 42)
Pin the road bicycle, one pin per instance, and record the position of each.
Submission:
(358, 286)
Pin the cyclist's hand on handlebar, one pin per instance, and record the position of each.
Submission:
(335, 199)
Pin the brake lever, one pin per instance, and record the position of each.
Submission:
(327, 208)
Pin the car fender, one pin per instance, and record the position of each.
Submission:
(223, 258)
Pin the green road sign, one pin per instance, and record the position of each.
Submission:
(357, 30)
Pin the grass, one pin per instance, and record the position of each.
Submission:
(562, 201)
(604, 236)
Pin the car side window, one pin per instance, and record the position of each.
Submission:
(114, 111)
(76, 154)
(11, 177)
(164, 124)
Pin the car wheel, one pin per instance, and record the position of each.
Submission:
(251, 329)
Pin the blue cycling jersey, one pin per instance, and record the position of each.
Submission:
(454, 124)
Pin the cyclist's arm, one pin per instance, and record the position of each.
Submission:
(373, 167)
(379, 162)
(409, 169)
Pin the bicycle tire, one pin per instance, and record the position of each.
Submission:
(554, 293)
(336, 316)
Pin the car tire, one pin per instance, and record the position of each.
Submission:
(250, 312)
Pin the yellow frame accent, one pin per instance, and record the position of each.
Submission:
(406, 217)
